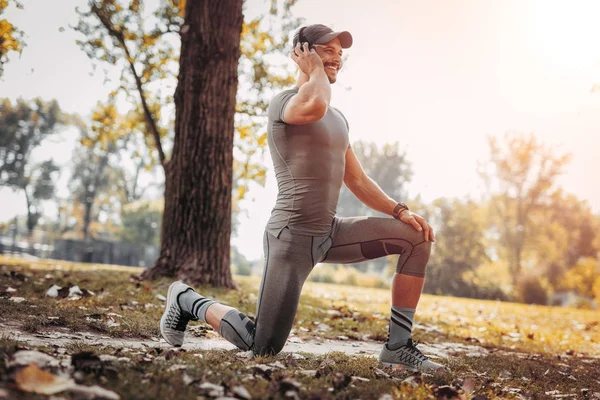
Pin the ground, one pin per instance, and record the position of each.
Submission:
(104, 343)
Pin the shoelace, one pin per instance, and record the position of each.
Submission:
(175, 320)
(410, 354)
(412, 348)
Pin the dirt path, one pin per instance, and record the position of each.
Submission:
(293, 345)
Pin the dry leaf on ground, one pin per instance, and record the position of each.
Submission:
(34, 380)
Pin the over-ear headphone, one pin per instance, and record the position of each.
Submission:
(302, 39)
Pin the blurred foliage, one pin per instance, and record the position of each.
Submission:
(144, 46)
(520, 177)
(141, 222)
(343, 275)
(582, 277)
(97, 182)
(11, 38)
(460, 248)
(531, 289)
(240, 264)
(23, 127)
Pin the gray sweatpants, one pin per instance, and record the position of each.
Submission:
(289, 259)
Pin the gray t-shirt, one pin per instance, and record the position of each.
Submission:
(309, 162)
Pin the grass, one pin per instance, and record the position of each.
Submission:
(534, 350)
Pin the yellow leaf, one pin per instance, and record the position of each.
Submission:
(241, 191)
(32, 379)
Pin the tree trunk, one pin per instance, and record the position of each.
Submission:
(198, 178)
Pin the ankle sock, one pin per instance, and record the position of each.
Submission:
(195, 304)
(401, 322)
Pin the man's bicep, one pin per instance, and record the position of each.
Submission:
(300, 111)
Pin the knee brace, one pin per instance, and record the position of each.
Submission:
(238, 329)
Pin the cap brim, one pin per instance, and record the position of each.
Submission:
(345, 38)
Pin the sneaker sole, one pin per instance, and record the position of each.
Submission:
(162, 318)
(388, 364)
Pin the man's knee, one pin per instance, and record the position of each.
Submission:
(269, 346)
(416, 263)
(238, 329)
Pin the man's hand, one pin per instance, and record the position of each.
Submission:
(409, 217)
(308, 60)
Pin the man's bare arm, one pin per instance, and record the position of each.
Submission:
(370, 194)
(311, 102)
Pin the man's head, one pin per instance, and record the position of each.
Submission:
(328, 45)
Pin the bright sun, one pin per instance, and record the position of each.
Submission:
(566, 33)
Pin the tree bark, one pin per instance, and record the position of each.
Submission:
(195, 239)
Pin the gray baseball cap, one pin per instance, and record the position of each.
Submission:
(321, 34)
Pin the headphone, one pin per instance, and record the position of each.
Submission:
(302, 39)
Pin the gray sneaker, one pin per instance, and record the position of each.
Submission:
(174, 320)
(409, 357)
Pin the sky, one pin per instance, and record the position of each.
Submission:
(437, 77)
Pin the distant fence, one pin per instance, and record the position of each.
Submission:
(42, 245)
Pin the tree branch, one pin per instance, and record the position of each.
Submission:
(138, 82)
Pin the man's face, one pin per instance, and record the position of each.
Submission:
(331, 54)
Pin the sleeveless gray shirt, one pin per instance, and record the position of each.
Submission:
(309, 162)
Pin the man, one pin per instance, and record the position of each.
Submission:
(309, 145)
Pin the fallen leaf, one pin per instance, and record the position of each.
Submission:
(34, 380)
(17, 299)
(161, 297)
(277, 364)
(187, 380)
(95, 392)
(380, 373)
(27, 357)
(307, 372)
(176, 367)
(211, 389)
(75, 291)
(241, 392)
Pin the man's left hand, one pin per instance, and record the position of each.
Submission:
(409, 217)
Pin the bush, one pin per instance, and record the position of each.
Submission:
(531, 290)
(581, 277)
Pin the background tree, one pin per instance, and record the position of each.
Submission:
(197, 216)
(520, 176)
(23, 127)
(460, 249)
(94, 175)
(11, 38)
(148, 71)
(565, 230)
(141, 222)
